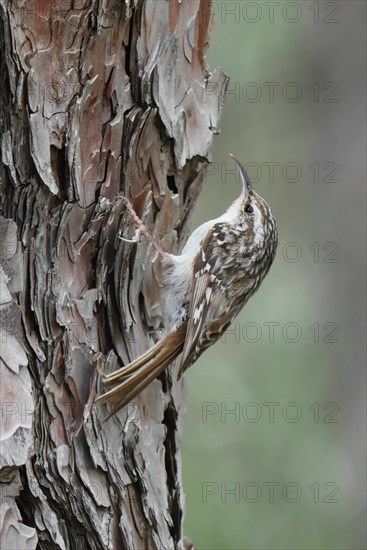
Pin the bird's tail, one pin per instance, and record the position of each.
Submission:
(135, 376)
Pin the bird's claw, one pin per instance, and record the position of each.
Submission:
(137, 237)
(141, 230)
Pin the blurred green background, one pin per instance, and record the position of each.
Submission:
(286, 470)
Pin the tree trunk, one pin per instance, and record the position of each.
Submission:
(99, 99)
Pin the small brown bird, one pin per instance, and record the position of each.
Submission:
(221, 266)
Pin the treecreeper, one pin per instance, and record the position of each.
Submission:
(222, 264)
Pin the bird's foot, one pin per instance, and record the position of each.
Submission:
(141, 230)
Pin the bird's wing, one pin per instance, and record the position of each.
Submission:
(209, 313)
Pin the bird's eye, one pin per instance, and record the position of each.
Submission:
(249, 209)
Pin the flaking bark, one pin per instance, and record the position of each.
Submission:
(98, 100)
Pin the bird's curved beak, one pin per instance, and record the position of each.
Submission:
(247, 187)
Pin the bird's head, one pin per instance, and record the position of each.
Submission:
(254, 215)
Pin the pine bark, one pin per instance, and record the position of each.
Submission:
(99, 99)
